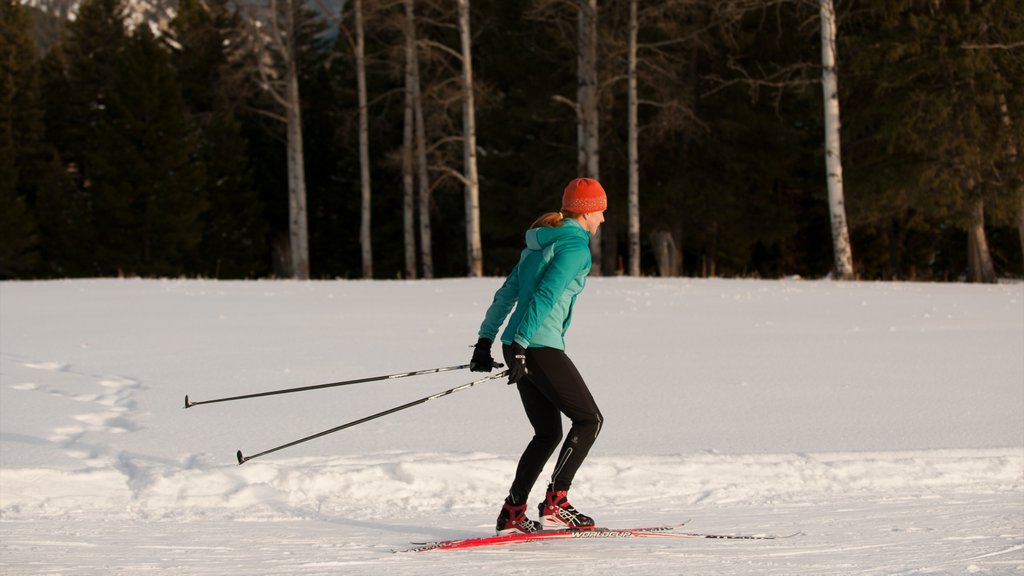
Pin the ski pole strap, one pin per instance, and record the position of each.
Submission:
(189, 403)
(243, 459)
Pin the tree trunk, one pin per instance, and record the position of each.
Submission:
(298, 234)
(710, 264)
(365, 240)
(1011, 156)
(634, 156)
(426, 249)
(843, 254)
(1020, 224)
(667, 255)
(426, 242)
(408, 186)
(474, 250)
(979, 259)
(587, 100)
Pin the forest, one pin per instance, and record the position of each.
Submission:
(411, 139)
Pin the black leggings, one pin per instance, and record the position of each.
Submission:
(553, 387)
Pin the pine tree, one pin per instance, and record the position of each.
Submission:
(21, 130)
(153, 195)
(64, 208)
(928, 126)
(133, 146)
(234, 229)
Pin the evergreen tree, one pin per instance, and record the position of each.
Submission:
(21, 131)
(133, 146)
(333, 173)
(151, 195)
(78, 75)
(63, 206)
(234, 241)
(520, 61)
(741, 183)
(927, 125)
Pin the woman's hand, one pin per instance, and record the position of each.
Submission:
(482, 360)
(517, 370)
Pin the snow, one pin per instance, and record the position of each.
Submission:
(883, 422)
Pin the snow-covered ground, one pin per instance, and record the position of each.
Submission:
(885, 422)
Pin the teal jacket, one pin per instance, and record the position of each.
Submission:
(552, 270)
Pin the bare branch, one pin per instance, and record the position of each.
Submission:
(451, 173)
(437, 144)
(268, 114)
(1012, 46)
(780, 79)
(568, 102)
(433, 44)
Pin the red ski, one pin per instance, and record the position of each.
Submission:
(656, 532)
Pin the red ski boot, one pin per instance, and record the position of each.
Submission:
(513, 520)
(557, 514)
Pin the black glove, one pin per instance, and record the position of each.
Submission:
(517, 368)
(482, 360)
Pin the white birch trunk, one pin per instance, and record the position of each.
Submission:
(271, 37)
(365, 239)
(587, 98)
(634, 156)
(426, 250)
(426, 242)
(298, 234)
(408, 186)
(474, 250)
(843, 253)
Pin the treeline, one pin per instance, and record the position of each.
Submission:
(160, 147)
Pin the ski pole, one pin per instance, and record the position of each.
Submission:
(243, 459)
(189, 403)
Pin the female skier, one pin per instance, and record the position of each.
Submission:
(551, 272)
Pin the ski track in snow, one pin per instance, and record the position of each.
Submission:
(103, 472)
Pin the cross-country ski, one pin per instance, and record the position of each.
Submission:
(593, 534)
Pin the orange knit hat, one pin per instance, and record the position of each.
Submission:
(584, 195)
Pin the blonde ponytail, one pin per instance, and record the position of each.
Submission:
(548, 220)
(553, 219)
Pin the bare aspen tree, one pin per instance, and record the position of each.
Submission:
(408, 184)
(634, 157)
(586, 105)
(655, 69)
(474, 251)
(365, 239)
(416, 179)
(426, 244)
(843, 253)
(298, 227)
(270, 34)
(444, 114)
(588, 110)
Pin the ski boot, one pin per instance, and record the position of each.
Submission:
(557, 514)
(513, 520)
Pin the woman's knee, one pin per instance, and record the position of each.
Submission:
(589, 425)
(550, 438)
